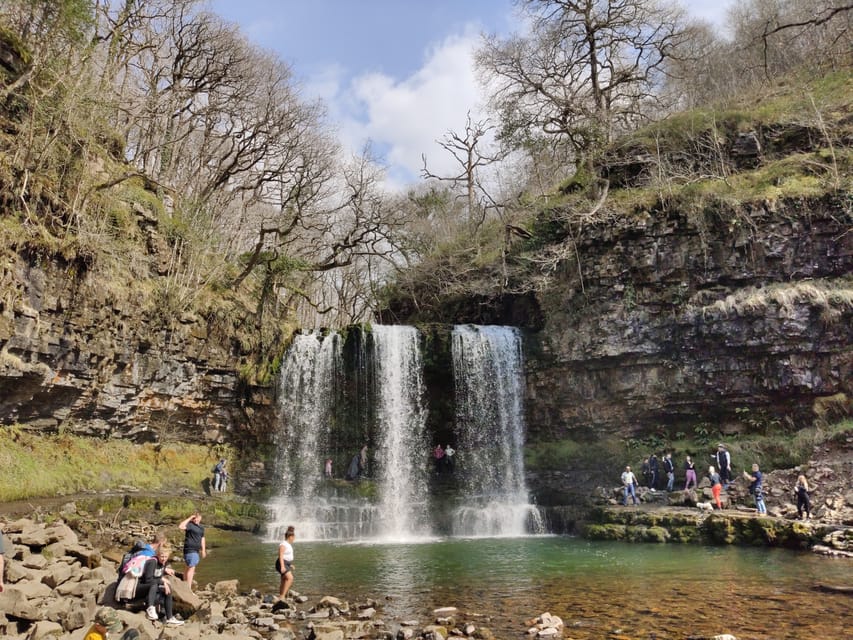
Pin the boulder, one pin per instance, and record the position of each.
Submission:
(44, 629)
(14, 602)
(57, 573)
(32, 535)
(185, 600)
(226, 587)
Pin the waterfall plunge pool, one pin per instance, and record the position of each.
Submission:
(597, 588)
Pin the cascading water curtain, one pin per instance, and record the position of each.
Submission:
(401, 456)
(488, 369)
(307, 397)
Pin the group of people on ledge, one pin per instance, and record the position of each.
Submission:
(357, 469)
(719, 474)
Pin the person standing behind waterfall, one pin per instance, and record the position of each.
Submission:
(448, 458)
(284, 563)
(438, 456)
(362, 461)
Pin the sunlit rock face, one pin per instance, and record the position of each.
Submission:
(80, 357)
(672, 320)
(723, 317)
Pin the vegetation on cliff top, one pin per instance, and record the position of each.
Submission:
(151, 144)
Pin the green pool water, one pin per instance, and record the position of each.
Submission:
(598, 589)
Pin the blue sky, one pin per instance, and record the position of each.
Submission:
(396, 72)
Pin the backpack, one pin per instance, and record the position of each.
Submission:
(138, 546)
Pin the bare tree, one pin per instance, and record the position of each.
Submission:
(587, 69)
(468, 153)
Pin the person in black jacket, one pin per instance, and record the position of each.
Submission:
(155, 588)
(724, 465)
(669, 469)
(653, 471)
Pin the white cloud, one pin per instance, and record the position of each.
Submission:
(404, 117)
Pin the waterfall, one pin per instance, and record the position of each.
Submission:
(402, 448)
(338, 395)
(308, 398)
(489, 381)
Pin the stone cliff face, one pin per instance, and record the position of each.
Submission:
(733, 320)
(73, 357)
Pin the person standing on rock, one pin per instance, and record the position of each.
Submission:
(755, 478)
(195, 546)
(724, 464)
(284, 563)
(716, 486)
(219, 475)
(689, 473)
(653, 472)
(669, 469)
(628, 482)
(804, 503)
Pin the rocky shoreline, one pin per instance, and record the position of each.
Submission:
(56, 580)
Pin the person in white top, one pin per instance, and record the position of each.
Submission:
(628, 482)
(448, 457)
(284, 564)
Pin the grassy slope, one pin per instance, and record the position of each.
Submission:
(53, 465)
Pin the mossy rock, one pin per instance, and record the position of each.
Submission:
(719, 530)
(605, 532)
(685, 534)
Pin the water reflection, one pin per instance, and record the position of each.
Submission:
(671, 591)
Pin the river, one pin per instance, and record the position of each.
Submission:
(599, 589)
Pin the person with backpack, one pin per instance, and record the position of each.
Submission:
(195, 546)
(219, 475)
(143, 549)
(755, 488)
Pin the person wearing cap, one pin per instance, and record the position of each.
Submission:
(724, 465)
(106, 622)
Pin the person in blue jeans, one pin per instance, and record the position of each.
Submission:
(628, 482)
(755, 488)
(669, 468)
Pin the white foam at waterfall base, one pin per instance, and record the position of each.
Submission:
(307, 397)
(489, 380)
(401, 460)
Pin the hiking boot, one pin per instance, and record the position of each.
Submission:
(173, 621)
(151, 612)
